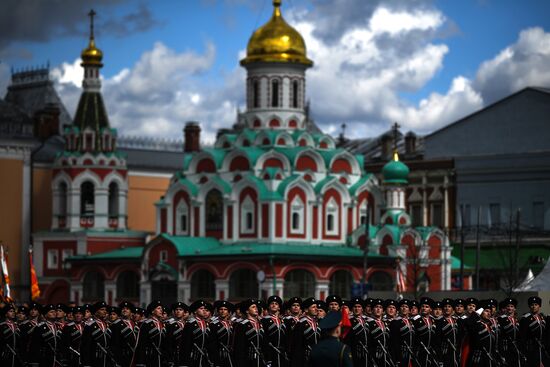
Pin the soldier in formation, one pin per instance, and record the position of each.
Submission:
(372, 332)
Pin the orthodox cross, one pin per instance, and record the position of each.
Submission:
(395, 130)
(92, 14)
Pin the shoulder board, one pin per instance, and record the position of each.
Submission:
(90, 322)
(416, 317)
(147, 321)
(527, 314)
(244, 321)
(41, 323)
(503, 316)
(368, 318)
(398, 318)
(191, 319)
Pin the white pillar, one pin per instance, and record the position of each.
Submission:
(424, 200)
(101, 208)
(73, 214)
(222, 285)
(122, 208)
(321, 286)
(446, 208)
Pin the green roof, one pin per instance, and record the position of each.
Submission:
(323, 182)
(221, 182)
(329, 154)
(125, 253)
(395, 172)
(217, 154)
(190, 185)
(358, 184)
(455, 264)
(503, 257)
(249, 134)
(284, 184)
(253, 153)
(186, 160)
(264, 193)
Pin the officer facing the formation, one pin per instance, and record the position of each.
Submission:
(149, 348)
(532, 334)
(330, 352)
(249, 337)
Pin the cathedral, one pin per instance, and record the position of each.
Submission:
(273, 207)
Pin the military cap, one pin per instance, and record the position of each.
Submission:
(437, 304)
(377, 301)
(485, 304)
(413, 303)
(331, 320)
(221, 303)
(472, 301)
(126, 304)
(509, 301)
(99, 305)
(87, 306)
(308, 302)
(47, 308)
(356, 301)
(139, 311)
(390, 302)
(426, 301)
(459, 301)
(4, 310)
(154, 304)
(249, 302)
(275, 299)
(322, 305)
(533, 300)
(63, 307)
(196, 305)
(369, 301)
(115, 309)
(23, 309)
(209, 306)
(447, 301)
(405, 301)
(181, 305)
(333, 298)
(493, 302)
(294, 300)
(78, 309)
(35, 306)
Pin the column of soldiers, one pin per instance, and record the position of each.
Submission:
(377, 333)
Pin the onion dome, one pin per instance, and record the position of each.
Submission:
(395, 171)
(91, 56)
(276, 41)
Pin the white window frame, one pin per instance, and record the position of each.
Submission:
(65, 254)
(53, 259)
(332, 209)
(247, 207)
(163, 256)
(182, 209)
(297, 207)
(363, 213)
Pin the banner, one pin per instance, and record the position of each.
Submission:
(35, 289)
(5, 274)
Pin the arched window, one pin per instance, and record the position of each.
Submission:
(247, 215)
(363, 213)
(340, 283)
(243, 284)
(295, 94)
(182, 217)
(275, 93)
(214, 211)
(297, 214)
(202, 285)
(93, 287)
(381, 281)
(255, 94)
(62, 199)
(332, 217)
(127, 285)
(87, 199)
(299, 283)
(113, 199)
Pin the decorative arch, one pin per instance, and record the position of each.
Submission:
(93, 286)
(346, 162)
(381, 281)
(243, 284)
(203, 285)
(299, 283)
(340, 283)
(273, 159)
(202, 162)
(86, 175)
(304, 140)
(127, 285)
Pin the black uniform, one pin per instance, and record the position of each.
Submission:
(275, 341)
(379, 342)
(357, 339)
(507, 343)
(44, 345)
(149, 348)
(330, 352)
(9, 338)
(305, 336)
(196, 338)
(221, 342)
(424, 327)
(532, 334)
(71, 338)
(482, 340)
(248, 344)
(26, 329)
(448, 340)
(94, 347)
(401, 340)
(123, 341)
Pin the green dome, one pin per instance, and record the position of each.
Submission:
(395, 171)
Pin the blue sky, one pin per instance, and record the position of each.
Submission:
(420, 62)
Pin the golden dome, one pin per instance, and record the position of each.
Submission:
(91, 55)
(276, 41)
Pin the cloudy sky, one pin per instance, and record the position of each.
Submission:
(423, 63)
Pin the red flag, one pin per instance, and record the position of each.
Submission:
(35, 290)
(345, 323)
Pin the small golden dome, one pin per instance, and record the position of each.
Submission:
(276, 41)
(91, 55)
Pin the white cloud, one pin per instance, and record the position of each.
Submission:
(394, 22)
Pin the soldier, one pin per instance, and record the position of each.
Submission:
(21, 314)
(113, 315)
(149, 348)
(532, 331)
(61, 314)
(139, 316)
(87, 311)
(379, 336)
(390, 306)
(459, 309)
(414, 308)
(9, 338)
(222, 335)
(330, 351)
(26, 329)
(71, 338)
(357, 337)
(471, 305)
(275, 334)
(437, 310)
(448, 335)
(174, 332)
(44, 343)
(127, 315)
(482, 338)
(94, 347)
(509, 332)
(401, 336)
(367, 310)
(249, 337)
(305, 335)
(123, 334)
(333, 302)
(295, 311)
(196, 337)
(322, 309)
(424, 327)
